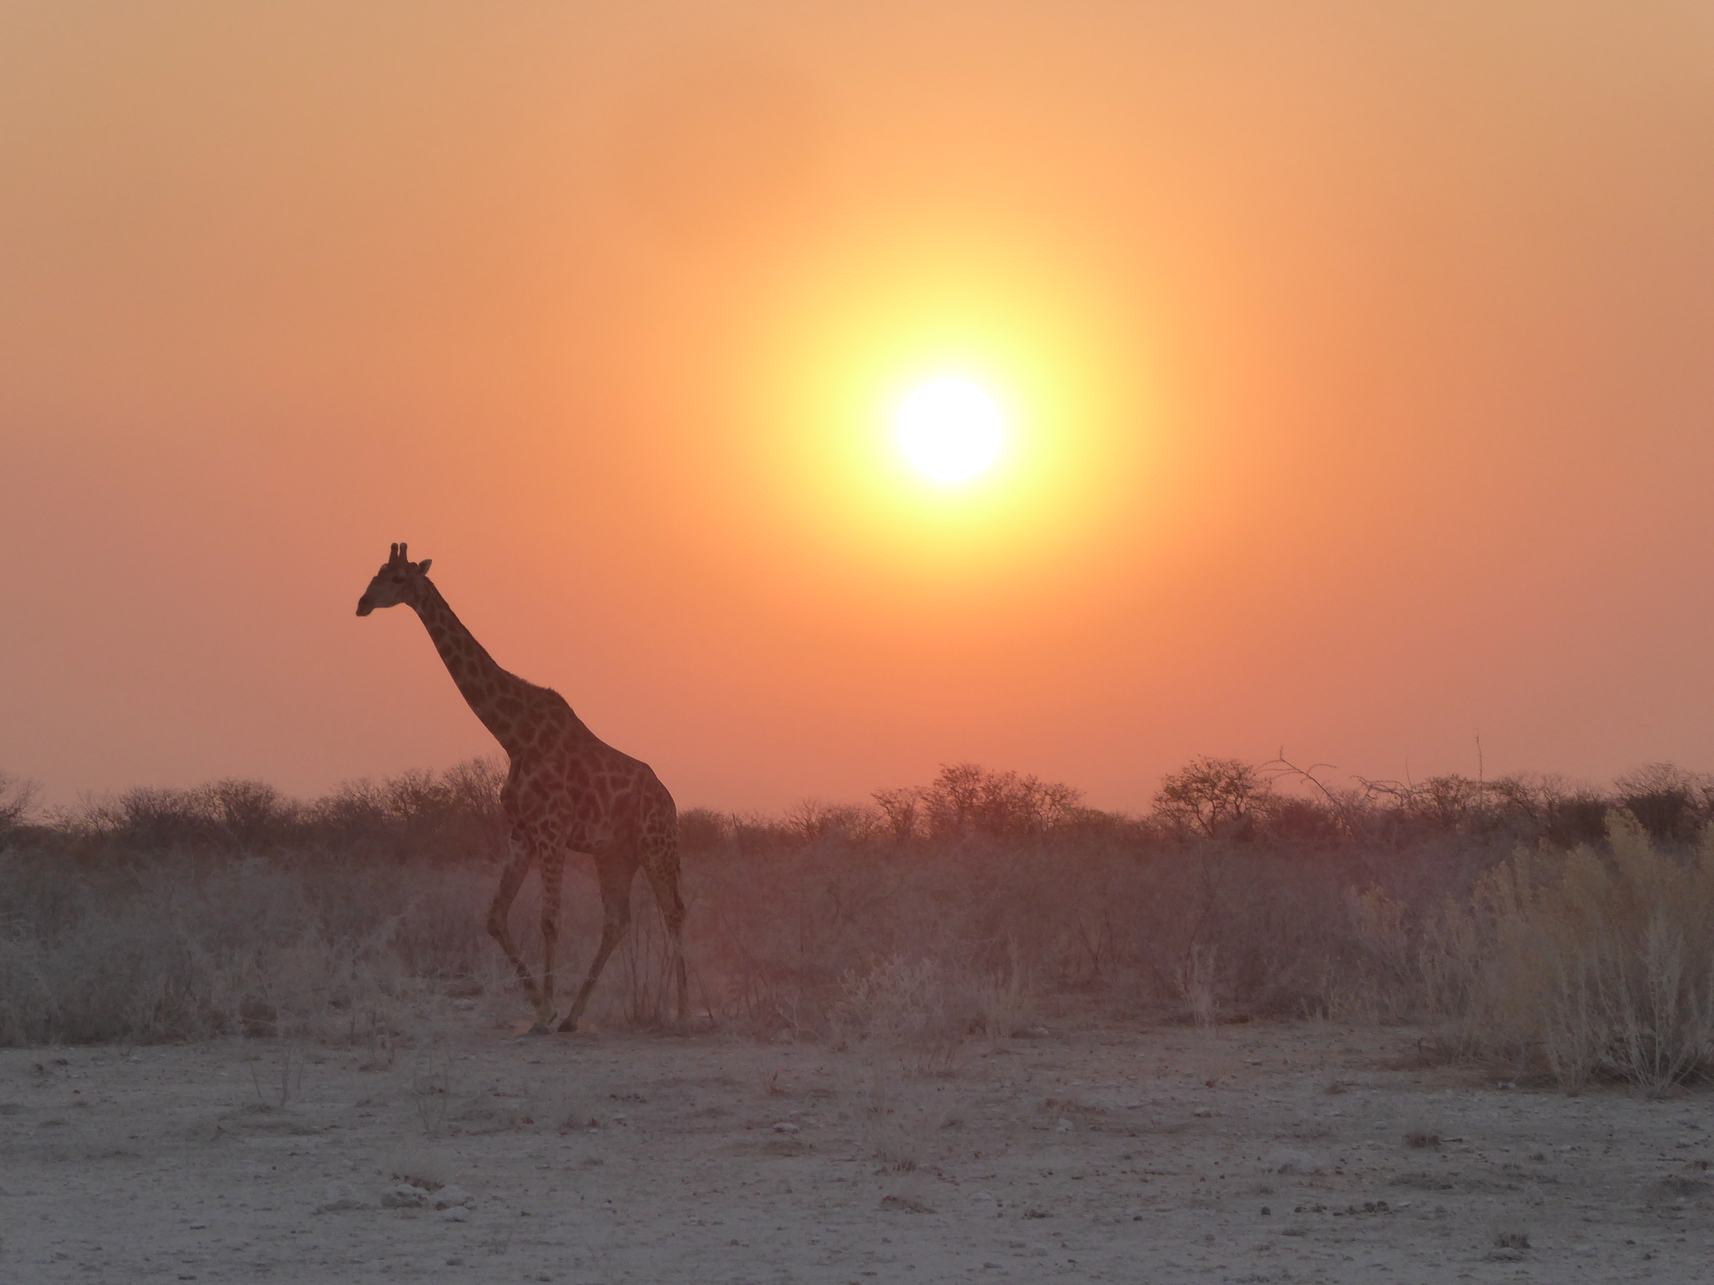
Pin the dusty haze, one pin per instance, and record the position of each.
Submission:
(1369, 356)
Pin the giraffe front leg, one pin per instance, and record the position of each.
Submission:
(511, 879)
(615, 915)
(552, 867)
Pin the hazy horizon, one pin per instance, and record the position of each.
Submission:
(1361, 362)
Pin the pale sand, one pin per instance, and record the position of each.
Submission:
(1242, 1153)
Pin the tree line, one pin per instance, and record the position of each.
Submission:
(454, 813)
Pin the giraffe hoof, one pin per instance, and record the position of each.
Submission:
(568, 1026)
(540, 1028)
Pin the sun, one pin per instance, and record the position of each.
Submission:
(950, 429)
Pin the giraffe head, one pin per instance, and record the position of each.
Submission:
(397, 581)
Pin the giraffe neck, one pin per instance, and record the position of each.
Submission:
(497, 696)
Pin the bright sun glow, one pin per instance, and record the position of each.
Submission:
(951, 429)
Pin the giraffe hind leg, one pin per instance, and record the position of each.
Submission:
(615, 876)
(661, 866)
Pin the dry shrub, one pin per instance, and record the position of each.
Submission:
(339, 940)
(1197, 984)
(907, 1004)
(779, 942)
(179, 913)
(175, 948)
(638, 986)
(1378, 980)
(1593, 964)
(348, 915)
(17, 799)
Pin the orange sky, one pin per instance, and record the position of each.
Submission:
(1363, 356)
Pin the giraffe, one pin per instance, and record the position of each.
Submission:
(566, 790)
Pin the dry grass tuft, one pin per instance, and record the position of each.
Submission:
(1597, 964)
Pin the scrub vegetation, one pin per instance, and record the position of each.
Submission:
(1561, 935)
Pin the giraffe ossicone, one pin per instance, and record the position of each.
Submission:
(566, 790)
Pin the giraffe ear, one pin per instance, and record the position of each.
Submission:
(423, 566)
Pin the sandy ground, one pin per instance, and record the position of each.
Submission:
(1244, 1153)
